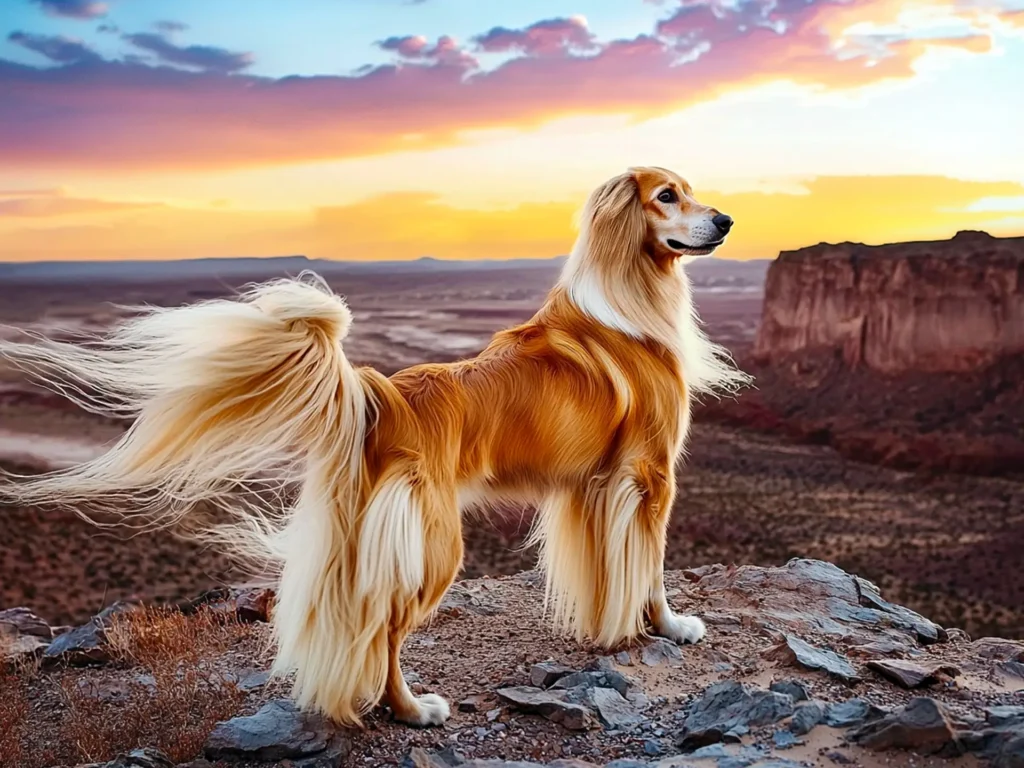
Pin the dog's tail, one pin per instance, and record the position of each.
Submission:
(228, 396)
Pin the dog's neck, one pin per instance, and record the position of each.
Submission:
(629, 293)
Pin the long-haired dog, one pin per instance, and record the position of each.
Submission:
(582, 411)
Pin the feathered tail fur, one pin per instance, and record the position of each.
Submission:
(227, 396)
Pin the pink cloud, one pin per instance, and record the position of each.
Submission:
(548, 37)
(129, 114)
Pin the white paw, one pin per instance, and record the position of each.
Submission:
(433, 710)
(682, 629)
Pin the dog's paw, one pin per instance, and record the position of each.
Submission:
(682, 629)
(431, 709)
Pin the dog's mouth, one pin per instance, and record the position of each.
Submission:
(693, 250)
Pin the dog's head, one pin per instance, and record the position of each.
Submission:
(654, 209)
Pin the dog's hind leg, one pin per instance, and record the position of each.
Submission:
(442, 559)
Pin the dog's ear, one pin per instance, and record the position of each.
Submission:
(615, 216)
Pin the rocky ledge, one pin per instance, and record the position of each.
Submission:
(804, 664)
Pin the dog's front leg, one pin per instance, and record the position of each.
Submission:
(658, 495)
(675, 626)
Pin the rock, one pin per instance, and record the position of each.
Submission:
(785, 740)
(792, 688)
(909, 674)
(86, 644)
(468, 597)
(474, 703)
(613, 710)
(256, 678)
(727, 706)
(254, 604)
(806, 716)
(15, 647)
(793, 650)
(1012, 669)
(927, 632)
(661, 651)
(602, 679)
(276, 732)
(547, 672)
(997, 648)
(247, 604)
(21, 621)
(1004, 715)
(814, 596)
(922, 306)
(883, 647)
(852, 713)
(921, 726)
(553, 705)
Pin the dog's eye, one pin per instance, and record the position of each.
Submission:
(667, 196)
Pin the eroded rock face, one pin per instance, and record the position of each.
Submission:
(950, 305)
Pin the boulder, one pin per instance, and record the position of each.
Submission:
(923, 726)
(278, 731)
(728, 709)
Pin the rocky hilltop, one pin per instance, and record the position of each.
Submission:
(953, 305)
(804, 665)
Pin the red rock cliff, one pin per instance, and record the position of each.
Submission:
(950, 305)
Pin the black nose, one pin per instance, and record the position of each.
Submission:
(723, 222)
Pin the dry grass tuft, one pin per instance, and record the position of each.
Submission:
(167, 690)
(13, 714)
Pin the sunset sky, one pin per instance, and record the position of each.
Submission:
(394, 129)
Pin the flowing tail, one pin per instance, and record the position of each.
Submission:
(229, 396)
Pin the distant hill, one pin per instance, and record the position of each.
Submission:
(705, 272)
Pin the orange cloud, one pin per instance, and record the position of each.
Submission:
(47, 203)
(406, 226)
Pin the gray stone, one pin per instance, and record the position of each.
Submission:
(661, 651)
(613, 710)
(922, 726)
(653, 748)
(601, 679)
(785, 740)
(999, 648)
(852, 713)
(1004, 715)
(546, 673)
(927, 632)
(276, 732)
(551, 704)
(1012, 669)
(22, 621)
(793, 650)
(909, 674)
(86, 644)
(806, 716)
(792, 688)
(725, 707)
(474, 703)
